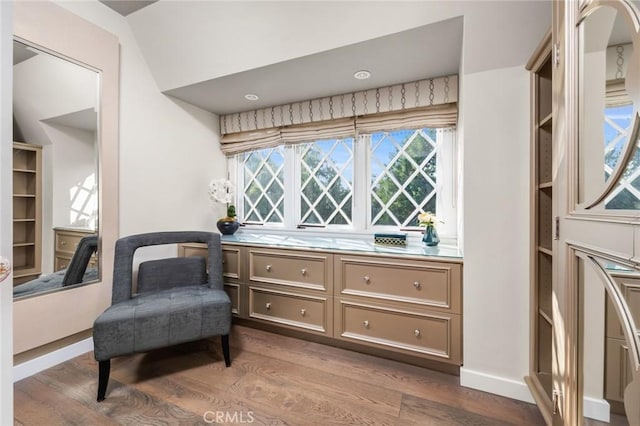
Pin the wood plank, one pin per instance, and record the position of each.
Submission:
(40, 404)
(433, 413)
(351, 391)
(299, 403)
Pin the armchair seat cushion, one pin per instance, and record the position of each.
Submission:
(162, 318)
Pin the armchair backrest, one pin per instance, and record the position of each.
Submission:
(164, 274)
(126, 247)
(78, 265)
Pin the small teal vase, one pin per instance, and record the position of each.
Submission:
(430, 236)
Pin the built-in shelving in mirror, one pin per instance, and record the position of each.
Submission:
(55, 172)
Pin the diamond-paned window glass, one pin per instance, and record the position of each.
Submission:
(617, 126)
(263, 194)
(326, 182)
(403, 176)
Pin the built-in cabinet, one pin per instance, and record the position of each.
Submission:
(66, 242)
(542, 224)
(27, 212)
(399, 304)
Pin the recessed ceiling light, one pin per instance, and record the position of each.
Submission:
(251, 97)
(362, 75)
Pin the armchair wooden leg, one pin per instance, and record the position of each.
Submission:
(225, 350)
(104, 368)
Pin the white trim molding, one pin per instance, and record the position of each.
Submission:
(594, 408)
(495, 384)
(36, 365)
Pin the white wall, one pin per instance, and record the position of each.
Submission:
(169, 150)
(496, 226)
(6, 231)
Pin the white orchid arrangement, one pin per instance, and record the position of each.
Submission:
(223, 191)
(428, 219)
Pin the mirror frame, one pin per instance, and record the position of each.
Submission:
(60, 315)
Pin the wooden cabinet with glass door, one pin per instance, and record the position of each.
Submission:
(27, 212)
(540, 377)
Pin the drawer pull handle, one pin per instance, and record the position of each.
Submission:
(367, 279)
(417, 285)
(268, 268)
(63, 243)
(416, 333)
(365, 324)
(303, 312)
(303, 272)
(268, 305)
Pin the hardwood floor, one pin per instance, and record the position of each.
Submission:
(273, 380)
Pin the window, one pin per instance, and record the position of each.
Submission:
(326, 182)
(263, 184)
(403, 176)
(378, 181)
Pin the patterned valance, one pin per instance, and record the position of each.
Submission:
(423, 93)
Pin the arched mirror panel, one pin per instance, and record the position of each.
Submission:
(55, 172)
(608, 155)
(609, 339)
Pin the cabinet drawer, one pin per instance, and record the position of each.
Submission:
(433, 335)
(231, 262)
(233, 290)
(230, 257)
(67, 242)
(432, 284)
(300, 311)
(61, 263)
(297, 269)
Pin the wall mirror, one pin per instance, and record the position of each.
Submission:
(55, 163)
(609, 306)
(609, 95)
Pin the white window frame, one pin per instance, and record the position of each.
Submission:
(446, 191)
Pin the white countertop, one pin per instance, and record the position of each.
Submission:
(341, 244)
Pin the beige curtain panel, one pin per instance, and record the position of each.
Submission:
(617, 94)
(329, 129)
(438, 116)
(235, 143)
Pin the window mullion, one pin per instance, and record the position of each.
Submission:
(361, 204)
(235, 175)
(292, 187)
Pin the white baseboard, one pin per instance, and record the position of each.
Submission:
(495, 384)
(594, 408)
(597, 409)
(36, 365)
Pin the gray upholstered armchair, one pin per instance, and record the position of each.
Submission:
(175, 302)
